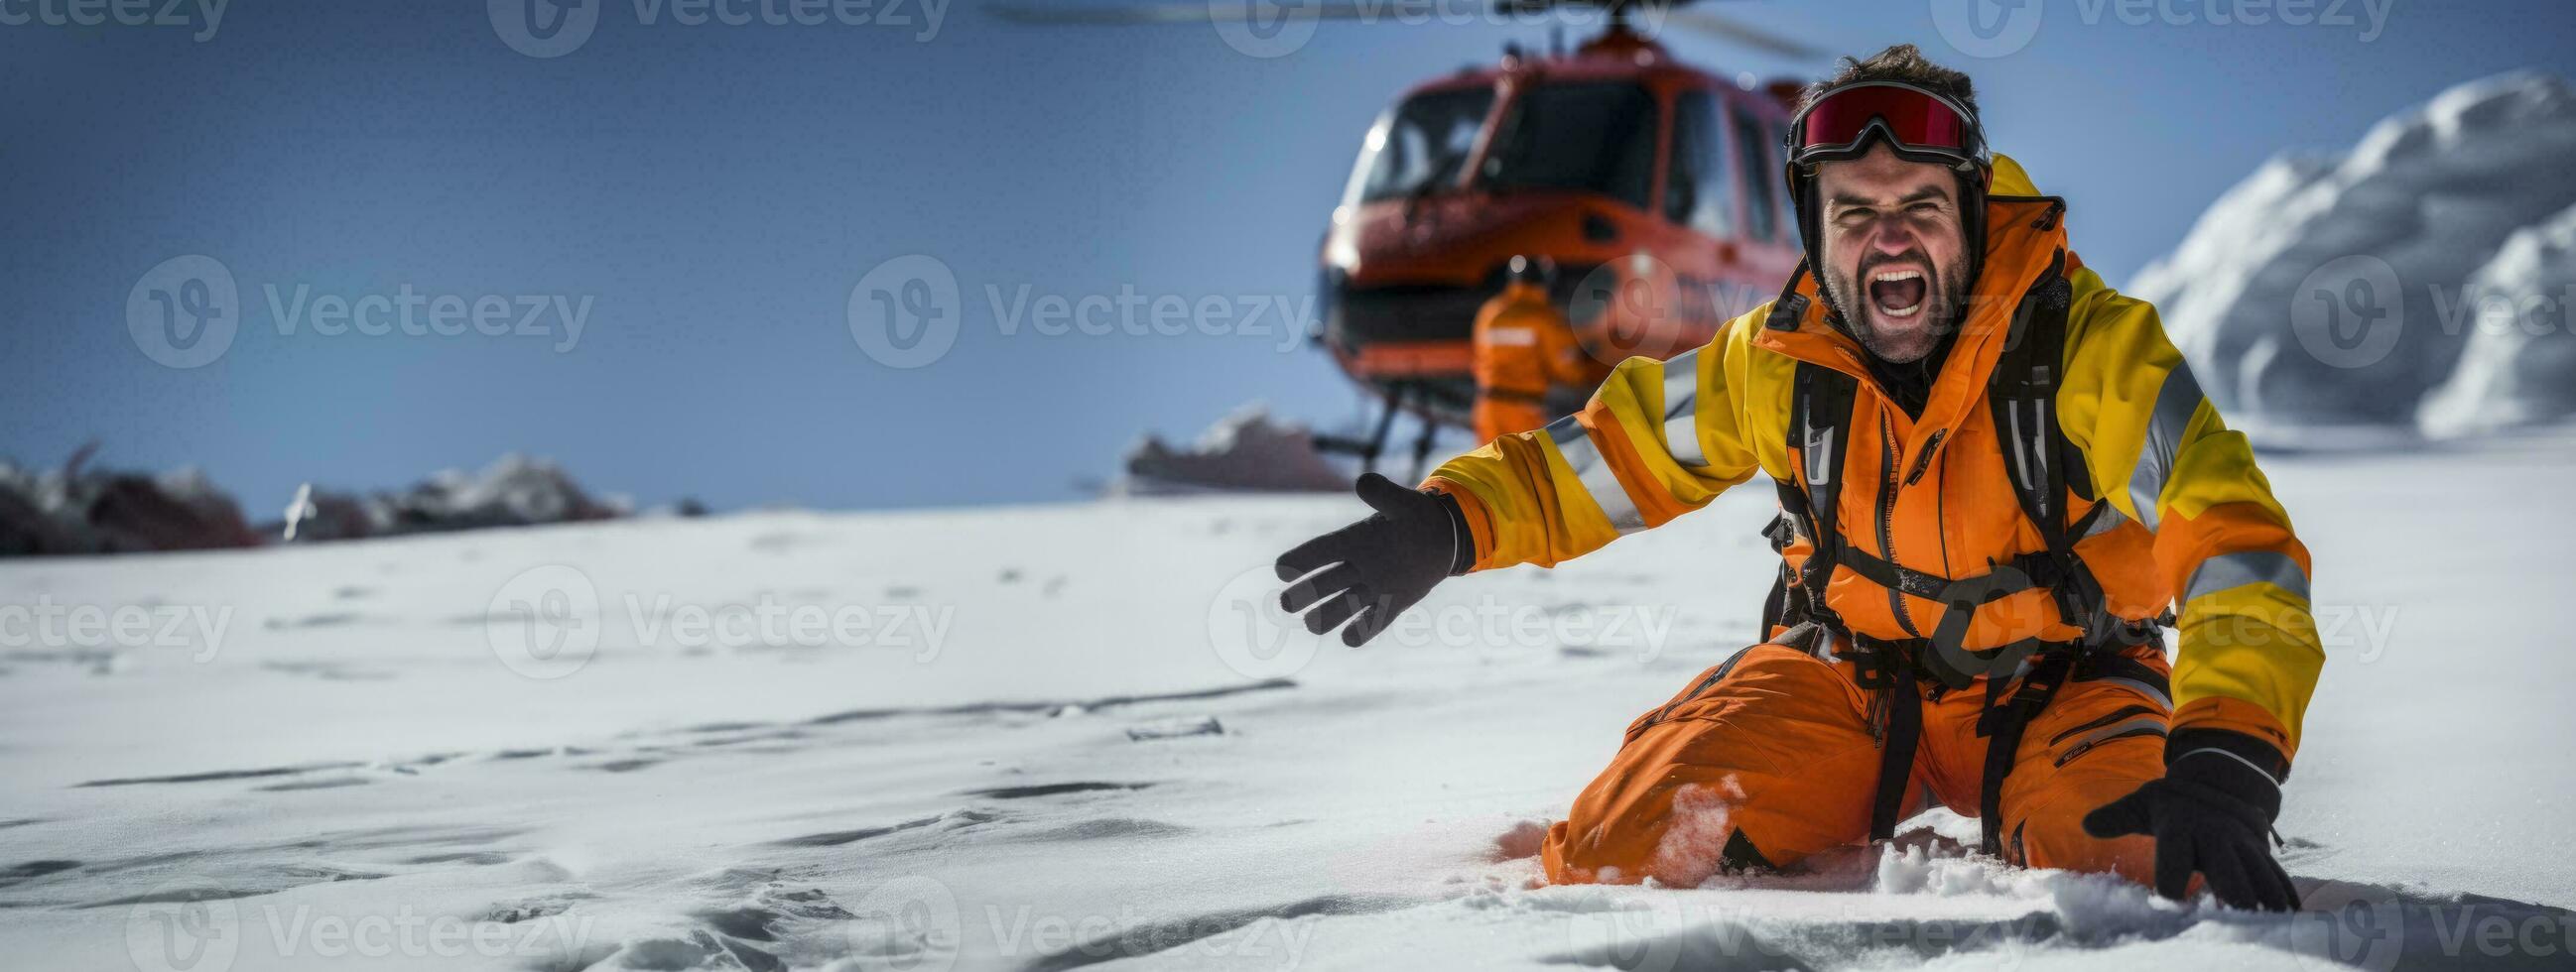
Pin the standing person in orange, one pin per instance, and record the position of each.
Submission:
(1999, 484)
(1523, 346)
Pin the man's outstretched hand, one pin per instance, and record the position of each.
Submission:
(2210, 813)
(1377, 567)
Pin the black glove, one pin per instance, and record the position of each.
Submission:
(2210, 813)
(1379, 566)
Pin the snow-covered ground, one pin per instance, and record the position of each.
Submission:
(1055, 736)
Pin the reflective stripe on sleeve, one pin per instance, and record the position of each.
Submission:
(2175, 403)
(2233, 570)
(1681, 409)
(1574, 442)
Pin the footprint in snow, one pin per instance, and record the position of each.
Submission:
(1053, 789)
(950, 822)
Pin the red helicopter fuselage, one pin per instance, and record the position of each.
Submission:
(1654, 187)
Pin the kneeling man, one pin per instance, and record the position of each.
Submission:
(1999, 484)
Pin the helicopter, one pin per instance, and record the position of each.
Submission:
(1651, 185)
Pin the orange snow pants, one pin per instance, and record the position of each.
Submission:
(1769, 757)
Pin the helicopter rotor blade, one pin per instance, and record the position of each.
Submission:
(1733, 31)
(1658, 12)
(1162, 13)
(1177, 11)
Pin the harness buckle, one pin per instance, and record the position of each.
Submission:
(1787, 311)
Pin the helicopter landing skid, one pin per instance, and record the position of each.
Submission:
(1371, 448)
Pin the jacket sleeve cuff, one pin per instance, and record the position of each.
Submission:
(2246, 749)
(1462, 555)
(2239, 766)
(1467, 516)
(2238, 717)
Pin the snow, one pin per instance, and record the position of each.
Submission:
(2343, 290)
(1073, 734)
(2519, 360)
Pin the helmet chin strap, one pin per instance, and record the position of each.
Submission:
(1972, 225)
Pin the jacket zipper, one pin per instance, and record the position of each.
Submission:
(1940, 498)
(1923, 461)
(2088, 745)
(1887, 519)
(2125, 712)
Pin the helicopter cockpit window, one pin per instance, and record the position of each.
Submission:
(1696, 193)
(1422, 143)
(1594, 136)
(1753, 141)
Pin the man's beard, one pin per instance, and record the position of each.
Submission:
(1941, 315)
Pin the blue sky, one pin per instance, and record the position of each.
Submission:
(714, 193)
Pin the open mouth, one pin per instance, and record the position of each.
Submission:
(1898, 293)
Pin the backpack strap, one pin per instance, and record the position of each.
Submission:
(1820, 408)
(2042, 465)
(2022, 391)
(1820, 411)
(2044, 468)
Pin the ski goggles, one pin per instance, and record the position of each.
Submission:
(1914, 122)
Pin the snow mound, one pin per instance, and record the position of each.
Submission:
(2522, 353)
(1243, 452)
(2337, 291)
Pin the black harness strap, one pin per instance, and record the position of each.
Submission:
(1820, 409)
(1822, 406)
(2041, 463)
(2003, 724)
(1889, 671)
(1945, 657)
